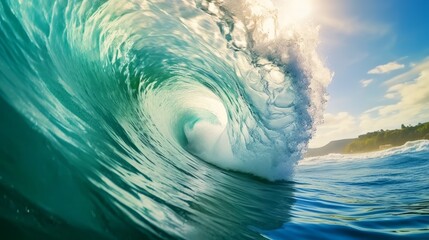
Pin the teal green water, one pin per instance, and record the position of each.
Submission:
(181, 120)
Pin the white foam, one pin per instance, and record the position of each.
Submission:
(286, 87)
(412, 146)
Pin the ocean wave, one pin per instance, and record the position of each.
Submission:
(223, 84)
(141, 109)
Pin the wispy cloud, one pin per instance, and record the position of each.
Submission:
(390, 95)
(351, 26)
(408, 94)
(366, 82)
(385, 68)
(410, 75)
(410, 102)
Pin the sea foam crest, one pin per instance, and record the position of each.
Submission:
(284, 82)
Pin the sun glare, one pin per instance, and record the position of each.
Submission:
(294, 11)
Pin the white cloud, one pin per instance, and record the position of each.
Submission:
(411, 74)
(411, 105)
(365, 83)
(390, 95)
(409, 94)
(336, 126)
(388, 67)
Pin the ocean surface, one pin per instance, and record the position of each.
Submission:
(182, 120)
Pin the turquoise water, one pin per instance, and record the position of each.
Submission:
(181, 120)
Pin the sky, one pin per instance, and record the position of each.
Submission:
(379, 54)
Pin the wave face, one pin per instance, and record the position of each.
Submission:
(143, 107)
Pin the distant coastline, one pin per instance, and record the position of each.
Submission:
(373, 141)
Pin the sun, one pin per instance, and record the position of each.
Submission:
(293, 12)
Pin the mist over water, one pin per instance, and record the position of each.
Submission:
(158, 119)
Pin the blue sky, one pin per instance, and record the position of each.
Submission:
(379, 53)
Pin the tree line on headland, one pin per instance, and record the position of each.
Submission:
(383, 139)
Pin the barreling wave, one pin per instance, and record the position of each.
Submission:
(227, 88)
(138, 96)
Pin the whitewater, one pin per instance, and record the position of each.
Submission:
(182, 120)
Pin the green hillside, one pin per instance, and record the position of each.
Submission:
(388, 138)
(332, 147)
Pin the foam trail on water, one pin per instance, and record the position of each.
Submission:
(412, 146)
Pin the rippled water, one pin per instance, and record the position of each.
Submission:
(180, 120)
(374, 196)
